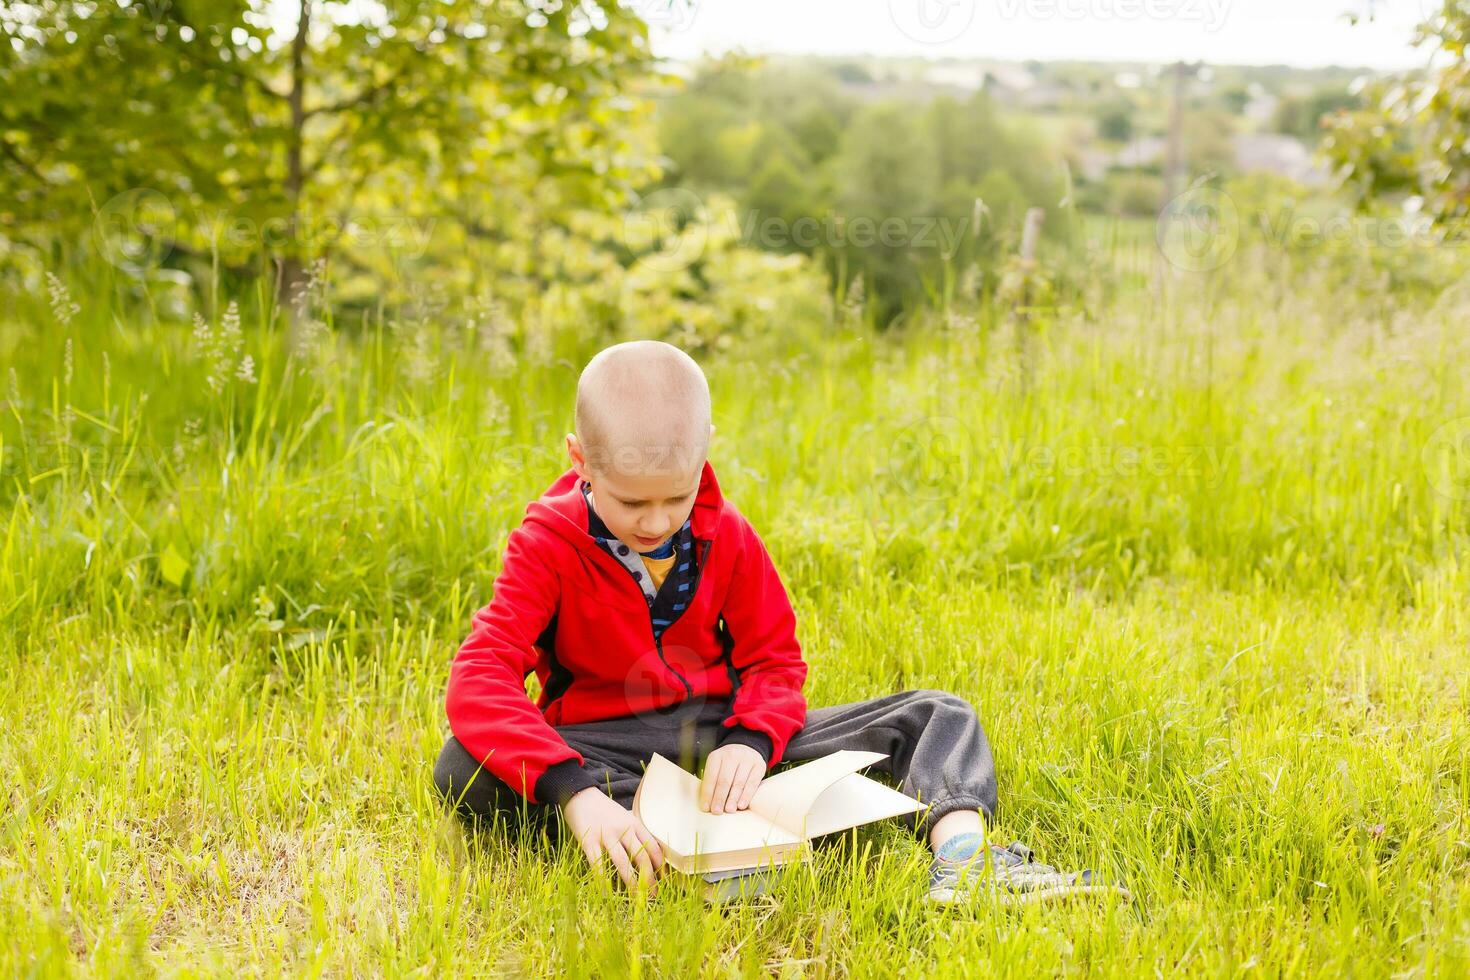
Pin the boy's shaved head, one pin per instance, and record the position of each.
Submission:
(642, 407)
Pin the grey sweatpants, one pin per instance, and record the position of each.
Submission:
(936, 751)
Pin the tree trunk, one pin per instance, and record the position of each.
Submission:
(291, 273)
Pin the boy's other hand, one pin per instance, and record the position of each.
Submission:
(603, 826)
(731, 775)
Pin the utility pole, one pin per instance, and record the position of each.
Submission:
(1174, 165)
(1027, 269)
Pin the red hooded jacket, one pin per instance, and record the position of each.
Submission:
(565, 608)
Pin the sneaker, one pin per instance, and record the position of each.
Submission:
(965, 866)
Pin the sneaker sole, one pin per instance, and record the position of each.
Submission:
(953, 896)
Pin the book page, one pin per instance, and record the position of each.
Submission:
(668, 804)
(786, 798)
(819, 797)
(854, 800)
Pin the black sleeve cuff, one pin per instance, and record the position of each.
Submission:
(740, 735)
(562, 781)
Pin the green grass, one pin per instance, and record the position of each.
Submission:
(1186, 555)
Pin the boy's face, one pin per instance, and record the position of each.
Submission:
(641, 509)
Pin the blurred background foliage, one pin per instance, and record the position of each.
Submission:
(338, 235)
(462, 156)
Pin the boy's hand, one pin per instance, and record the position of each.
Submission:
(731, 775)
(603, 826)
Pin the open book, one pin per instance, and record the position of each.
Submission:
(787, 810)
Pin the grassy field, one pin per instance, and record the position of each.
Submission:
(1196, 552)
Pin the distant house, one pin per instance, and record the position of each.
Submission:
(1044, 95)
(1142, 151)
(964, 75)
(1262, 105)
(1006, 83)
(1005, 77)
(1271, 153)
(1013, 85)
(1276, 153)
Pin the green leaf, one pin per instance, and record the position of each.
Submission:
(172, 566)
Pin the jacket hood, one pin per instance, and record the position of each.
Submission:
(561, 509)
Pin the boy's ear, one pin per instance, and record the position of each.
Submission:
(574, 453)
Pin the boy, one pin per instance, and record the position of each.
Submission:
(655, 621)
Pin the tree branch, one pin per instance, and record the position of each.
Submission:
(367, 96)
(10, 151)
(192, 52)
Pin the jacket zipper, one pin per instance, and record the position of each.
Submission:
(658, 642)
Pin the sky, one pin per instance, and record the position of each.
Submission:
(1306, 33)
